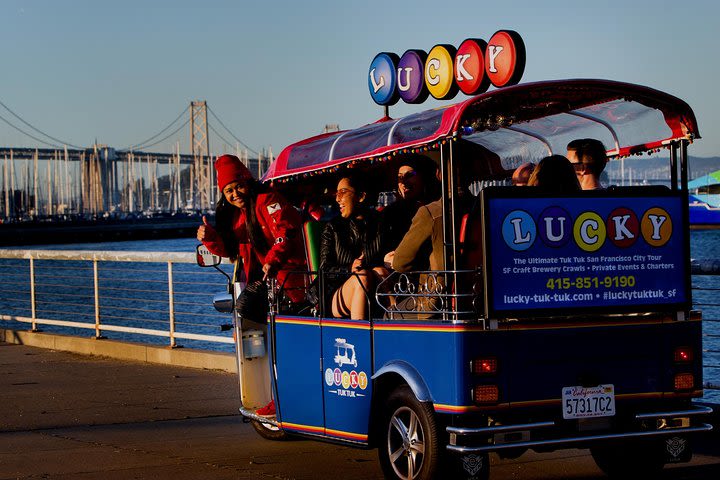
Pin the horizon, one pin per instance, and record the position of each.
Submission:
(275, 74)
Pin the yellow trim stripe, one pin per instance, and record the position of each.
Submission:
(349, 435)
(429, 328)
(303, 428)
(341, 324)
(324, 431)
(313, 322)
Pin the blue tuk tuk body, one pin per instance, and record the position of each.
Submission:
(521, 353)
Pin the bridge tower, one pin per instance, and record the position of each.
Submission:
(200, 148)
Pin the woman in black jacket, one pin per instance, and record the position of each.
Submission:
(351, 251)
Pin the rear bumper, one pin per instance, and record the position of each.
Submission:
(547, 435)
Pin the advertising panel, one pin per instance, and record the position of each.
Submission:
(623, 250)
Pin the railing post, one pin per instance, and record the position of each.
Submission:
(171, 295)
(96, 284)
(33, 314)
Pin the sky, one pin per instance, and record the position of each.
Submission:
(275, 72)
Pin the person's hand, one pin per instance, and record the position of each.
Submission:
(389, 259)
(204, 231)
(357, 264)
(268, 271)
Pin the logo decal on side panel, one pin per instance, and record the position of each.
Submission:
(351, 382)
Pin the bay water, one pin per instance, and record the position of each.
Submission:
(704, 244)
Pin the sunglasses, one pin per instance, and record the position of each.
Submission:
(403, 177)
(343, 191)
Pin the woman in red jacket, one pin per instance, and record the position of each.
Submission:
(259, 227)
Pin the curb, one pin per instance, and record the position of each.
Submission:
(181, 357)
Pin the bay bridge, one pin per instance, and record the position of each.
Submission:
(66, 181)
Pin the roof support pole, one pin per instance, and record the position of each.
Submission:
(683, 166)
(673, 166)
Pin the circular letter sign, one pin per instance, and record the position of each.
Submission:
(439, 76)
(470, 67)
(382, 78)
(410, 79)
(505, 58)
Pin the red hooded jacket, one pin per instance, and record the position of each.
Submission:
(281, 225)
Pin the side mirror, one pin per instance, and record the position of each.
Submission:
(205, 258)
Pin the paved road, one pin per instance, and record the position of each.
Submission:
(67, 416)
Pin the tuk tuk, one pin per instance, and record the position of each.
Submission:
(561, 321)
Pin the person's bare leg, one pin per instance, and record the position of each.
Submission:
(360, 284)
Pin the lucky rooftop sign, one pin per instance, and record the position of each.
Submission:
(444, 70)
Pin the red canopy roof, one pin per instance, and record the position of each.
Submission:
(525, 121)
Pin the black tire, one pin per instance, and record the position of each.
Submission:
(409, 442)
(268, 432)
(630, 461)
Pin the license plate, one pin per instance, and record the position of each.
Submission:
(585, 402)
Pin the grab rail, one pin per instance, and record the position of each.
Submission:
(141, 293)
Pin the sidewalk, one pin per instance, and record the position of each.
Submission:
(72, 417)
(43, 388)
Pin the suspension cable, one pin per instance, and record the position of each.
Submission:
(142, 144)
(168, 135)
(38, 130)
(29, 135)
(231, 133)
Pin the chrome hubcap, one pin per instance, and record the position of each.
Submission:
(406, 443)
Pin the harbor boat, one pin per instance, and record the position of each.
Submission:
(704, 193)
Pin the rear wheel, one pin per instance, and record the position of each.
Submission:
(630, 461)
(409, 443)
(267, 431)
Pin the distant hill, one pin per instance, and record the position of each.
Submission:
(657, 168)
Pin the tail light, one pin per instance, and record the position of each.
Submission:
(484, 366)
(486, 394)
(684, 381)
(683, 355)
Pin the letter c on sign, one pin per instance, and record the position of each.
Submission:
(439, 74)
(589, 231)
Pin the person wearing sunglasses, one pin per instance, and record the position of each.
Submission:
(588, 157)
(416, 186)
(351, 250)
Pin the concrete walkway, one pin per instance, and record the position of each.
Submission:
(66, 416)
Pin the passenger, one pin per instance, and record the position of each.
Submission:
(521, 175)
(352, 243)
(588, 156)
(555, 174)
(415, 187)
(260, 228)
(422, 246)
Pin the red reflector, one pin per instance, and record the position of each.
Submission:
(683, 354)
(484, 365)
(486, 394)
(684, 381)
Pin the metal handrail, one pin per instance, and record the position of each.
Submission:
(97, 280)
(23, 298)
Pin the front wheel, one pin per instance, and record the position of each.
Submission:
(409, 446)
(267, 431)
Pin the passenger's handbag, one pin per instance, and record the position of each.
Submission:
(253, 302)
(312, 294)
